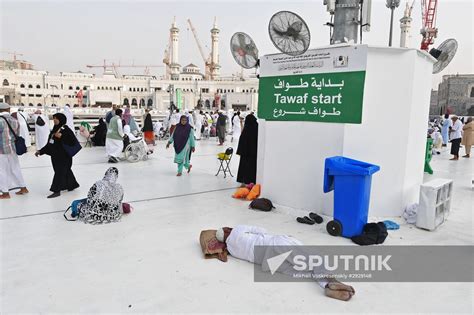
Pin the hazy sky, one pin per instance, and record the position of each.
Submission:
(67, 35)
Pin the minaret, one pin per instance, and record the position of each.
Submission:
(405, 26)
(175, 66)
(215, 67)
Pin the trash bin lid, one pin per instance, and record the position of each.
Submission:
(342, 166)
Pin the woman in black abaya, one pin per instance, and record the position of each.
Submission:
(63, 177)
(100, 132)
(247, 150)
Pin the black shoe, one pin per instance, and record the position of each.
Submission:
(316, 218)
(54, 195)
(305, 220)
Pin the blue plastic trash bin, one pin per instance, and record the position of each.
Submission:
(351, 180)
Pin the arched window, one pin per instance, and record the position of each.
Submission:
(125, 101)
(134, 102)
(5, 82)
(22, 86)
(30, 87)
(38, 86)
(150, 102)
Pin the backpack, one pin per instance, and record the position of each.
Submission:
(40, 122)
(261, 204)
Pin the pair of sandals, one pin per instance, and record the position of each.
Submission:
(312, 219)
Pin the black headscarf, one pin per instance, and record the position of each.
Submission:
(62, 122)
(181, 135)
(148, 125)
(249, 137)
(101, 128)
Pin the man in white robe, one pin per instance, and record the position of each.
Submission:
(41, 132)
(10, 171)
(70, 118)
(236, 127)
(198, 124)
(242, 239)
(114, 138)
(175, 118)
(229, 115)
(190, 118)
(22, 118)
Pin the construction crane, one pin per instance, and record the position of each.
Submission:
(114, 66)
(428, 19)
(207, 61)
(14, 54)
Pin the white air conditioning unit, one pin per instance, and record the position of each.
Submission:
(435, 203)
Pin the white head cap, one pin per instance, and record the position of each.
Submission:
(220, 235)
(4, 106)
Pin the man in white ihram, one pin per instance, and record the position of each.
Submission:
(240, 243)
(10, 171)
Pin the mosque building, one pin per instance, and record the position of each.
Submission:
(185, 87)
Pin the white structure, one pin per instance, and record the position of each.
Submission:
(174, 66)
(435, 203)
(215, 67)
(405, 27)
(291, 155)
(34, 88)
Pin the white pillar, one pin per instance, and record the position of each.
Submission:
(175, 66)
(405, 26)
(215, 67)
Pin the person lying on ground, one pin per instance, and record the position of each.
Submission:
(242, 239)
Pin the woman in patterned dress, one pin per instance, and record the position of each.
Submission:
(104, 200)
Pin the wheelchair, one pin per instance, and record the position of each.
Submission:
(136, 151)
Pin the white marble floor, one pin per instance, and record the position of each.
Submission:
(151, 261)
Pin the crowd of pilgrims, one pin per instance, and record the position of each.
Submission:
(181, 130)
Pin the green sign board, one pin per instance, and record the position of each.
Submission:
(179, 99)
(323, 85)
